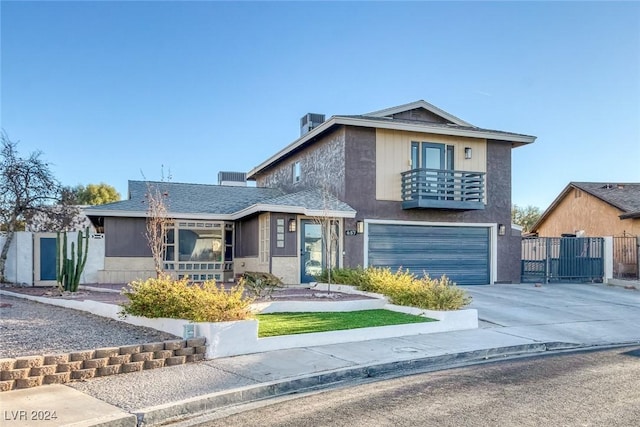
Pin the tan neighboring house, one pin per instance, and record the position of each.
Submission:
(592, 209)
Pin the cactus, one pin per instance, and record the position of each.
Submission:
(69, 270)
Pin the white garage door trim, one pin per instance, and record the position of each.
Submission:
(493, 237)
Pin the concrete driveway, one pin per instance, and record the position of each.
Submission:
(589, 314)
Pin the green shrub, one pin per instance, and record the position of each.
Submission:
(179, 299)
(344, 276)
(404, 288)
(260, 285)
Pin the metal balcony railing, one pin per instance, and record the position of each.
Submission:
(442, 189)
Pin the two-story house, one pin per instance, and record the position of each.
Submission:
(432, 193)
(410, 186)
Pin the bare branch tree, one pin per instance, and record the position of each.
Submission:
(157, 226)
(26, 186)
(330, 228)
(158, 221)
(56, 218)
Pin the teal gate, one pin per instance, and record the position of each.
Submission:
(562, 259)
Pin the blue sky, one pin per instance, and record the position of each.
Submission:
(113, 90)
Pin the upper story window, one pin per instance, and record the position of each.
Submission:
(297, 172)
(429, 155)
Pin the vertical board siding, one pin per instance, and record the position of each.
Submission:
(393, 155)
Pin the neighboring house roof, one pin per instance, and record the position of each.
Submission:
(623, 196)
(204, 201)
(382, 120)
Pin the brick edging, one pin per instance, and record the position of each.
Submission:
(32, 371)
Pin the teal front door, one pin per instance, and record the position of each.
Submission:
(311, 251)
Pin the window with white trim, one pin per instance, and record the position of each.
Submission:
(199, 249)
(296, 172)
(263, 245)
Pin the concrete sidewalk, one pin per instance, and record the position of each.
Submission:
(515, 320)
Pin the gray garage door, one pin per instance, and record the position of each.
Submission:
(462, 253)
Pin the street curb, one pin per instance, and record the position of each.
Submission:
(198, 406)
(125, 420)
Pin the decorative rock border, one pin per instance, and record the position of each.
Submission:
(33, 371)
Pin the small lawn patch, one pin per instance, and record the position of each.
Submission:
(302, 323)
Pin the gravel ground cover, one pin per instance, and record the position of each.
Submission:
(31, 328)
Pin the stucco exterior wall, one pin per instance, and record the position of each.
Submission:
(419, 114)
(580, 211)
(498, 181)
(18, 266)
(322, 163)
(95, 259)
(95, 254)
(24, 256)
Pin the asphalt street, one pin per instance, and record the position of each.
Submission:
(595, 388)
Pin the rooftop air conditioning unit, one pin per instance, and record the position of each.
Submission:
(310, 121)
(237, 179)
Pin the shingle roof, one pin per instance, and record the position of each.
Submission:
(624, 196)
(191, 199)
(312, 200)
(378, 119)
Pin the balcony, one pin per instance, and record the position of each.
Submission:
(442, 189)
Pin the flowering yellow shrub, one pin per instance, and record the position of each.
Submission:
(432, 294)
(404, 288)
(180, 299)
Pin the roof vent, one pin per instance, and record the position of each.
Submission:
(236, 179)
(310, 121)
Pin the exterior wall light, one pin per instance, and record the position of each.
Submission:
(360, 227)
(292, 225)
(502, 230)
(467, 152)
